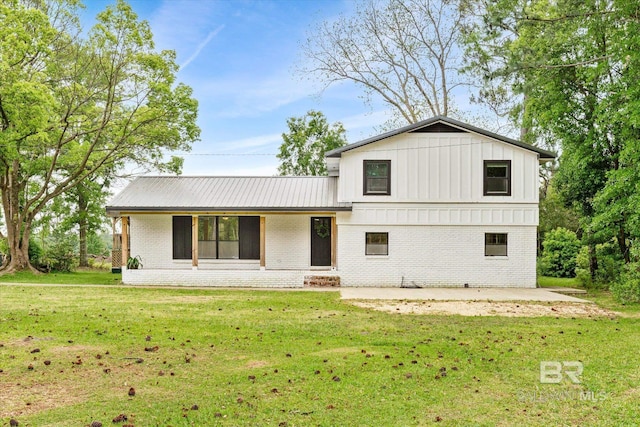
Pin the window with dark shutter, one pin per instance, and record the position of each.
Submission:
(249, 237)
(182, 237)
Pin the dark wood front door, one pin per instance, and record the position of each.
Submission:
(321, 241)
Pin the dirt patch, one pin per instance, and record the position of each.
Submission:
(257, 364)
(21, 400)
(488, 308)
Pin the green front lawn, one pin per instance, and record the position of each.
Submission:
(70, 355)
(558, 282)
(80, 277)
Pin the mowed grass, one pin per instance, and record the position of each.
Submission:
(558, 282)
(267, 358)
(79, 277)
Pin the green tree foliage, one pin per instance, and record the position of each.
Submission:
(561, 247)
(554, 214)
(303, 147)
(627, 288)
(82, 210)
(75, 103)
(608, 268)
(574, 67)
(61, 253)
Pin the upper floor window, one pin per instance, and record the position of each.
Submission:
(377, 177)
(497, 177)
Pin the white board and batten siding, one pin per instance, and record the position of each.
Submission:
(439, 167)
(437, 215)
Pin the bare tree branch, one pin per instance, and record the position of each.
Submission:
(402, 52)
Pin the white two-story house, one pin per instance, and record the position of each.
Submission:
(436, 203)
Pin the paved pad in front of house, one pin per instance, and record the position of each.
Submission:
(457, 294)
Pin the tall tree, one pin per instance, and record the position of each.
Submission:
(72, 105)
(404, 52)
(303, 147)
(575, 64)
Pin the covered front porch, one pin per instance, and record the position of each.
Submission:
(227, 231)
(214, 248)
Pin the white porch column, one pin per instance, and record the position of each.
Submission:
(334, 239)
(263, 233)
(125, 241)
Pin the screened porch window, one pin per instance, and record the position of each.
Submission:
(219, 237)
(229, 242)
(207, 245)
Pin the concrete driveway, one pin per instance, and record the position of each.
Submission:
(457, 294)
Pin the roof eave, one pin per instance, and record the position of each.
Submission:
(117, 210)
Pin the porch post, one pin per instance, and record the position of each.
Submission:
(334, 239)
(263, 233)
(125, 241)
(194, 242)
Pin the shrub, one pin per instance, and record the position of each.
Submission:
(61, 253)
(627, 288)
(36, 254)
(610, 264)
(96, 245)
(560, 249)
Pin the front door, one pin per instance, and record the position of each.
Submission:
(321, 241)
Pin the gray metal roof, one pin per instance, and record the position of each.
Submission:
(230, 193)
(464, 127)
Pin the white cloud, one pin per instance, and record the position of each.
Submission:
(366, 120)
(201, 46)
(182, 24)
(249, 96)
(234, 167)
(252, 142)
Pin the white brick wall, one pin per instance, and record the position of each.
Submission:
(437, 256)
(151, 239)
(218, 278)
(425, 255)
(288, 243)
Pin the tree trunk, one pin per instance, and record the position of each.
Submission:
(622, 244)
(83, 226)
(18, 222)
(18, 242)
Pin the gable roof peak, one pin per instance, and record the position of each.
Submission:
(450, 124)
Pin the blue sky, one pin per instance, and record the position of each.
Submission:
(239, 57)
